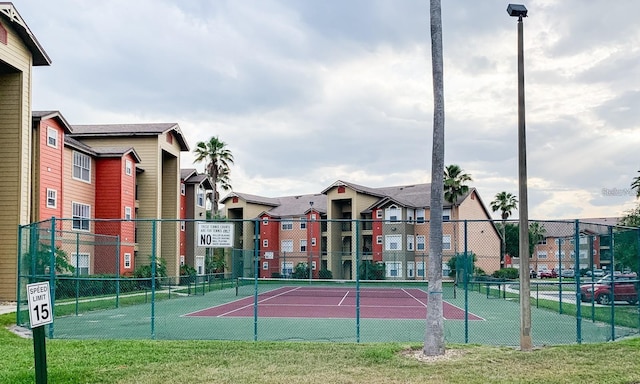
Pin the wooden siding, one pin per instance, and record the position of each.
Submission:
(15, 171)
(48, 167)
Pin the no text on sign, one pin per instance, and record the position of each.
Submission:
(215, 235)
(39, 304)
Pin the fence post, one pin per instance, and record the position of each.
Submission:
(153, 279)
(560, 272)
(118, 271)
(613, 295)
(357, 281)
(466, 292)
(52, 274)
(256, 260)
(20, 228)
(576, 277)
(77, 272)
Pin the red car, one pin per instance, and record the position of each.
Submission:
(548, 274)
(624, 289)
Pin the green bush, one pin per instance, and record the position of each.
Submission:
(325, 274)
(371, 271)
(506, 273)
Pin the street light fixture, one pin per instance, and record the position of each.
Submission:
(520, 11)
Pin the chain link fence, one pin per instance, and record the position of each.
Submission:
(337, 280)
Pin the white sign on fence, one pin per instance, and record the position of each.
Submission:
(39, 304)
(215, 235)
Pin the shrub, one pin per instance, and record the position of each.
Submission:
(506, 273)
(325, 274)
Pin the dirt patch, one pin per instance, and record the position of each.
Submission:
(449, 354)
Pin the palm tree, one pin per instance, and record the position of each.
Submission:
(434, 328)
(454, 188)
(217, 159)
(505, 203)
(636, 185)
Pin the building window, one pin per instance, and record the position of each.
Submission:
(446, 242)
(446, 214)
(52, 198)
(420, 268)
(313, 265)
(265, 265)
(181, 260)
(410, 240)
(183, 226)
(313, 216)
(52, 137)
(303, 245)
(81, 215)
(420, 216)
(392, 214)
(394, 269)
(127, 213)
(183, 189)
(265, 220)
(379, 214)
(287, 225)
(379, 239)
(543, 241)
(313, 241)
(287, 269)
(420, 242)
(542, 254)
(303, 223)
(200, 196)
(265, 243)
(128, 167)
(393, 242)
(81, 167)
(286, 246)
(80, 262)
(127, 261)
(410, 268)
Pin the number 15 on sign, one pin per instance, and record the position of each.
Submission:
(39, 304)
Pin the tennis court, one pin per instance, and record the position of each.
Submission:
(334, 303)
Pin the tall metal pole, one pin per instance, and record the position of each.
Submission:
(525, 288)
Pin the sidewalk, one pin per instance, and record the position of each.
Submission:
(7, 307)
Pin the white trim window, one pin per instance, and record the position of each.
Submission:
(81, 167)
(286, 246)
(265, 220)
(183, 189)
(127, 260)
(127, 213)
(410, 269)
(286, 225)
(410, 241)
(446, 242)
(52, 198)
(542, 254)
(446, 214)
(81, 214)
(393, 242)
(378, 213)
(420, 216)
(286, 268)
(303, 245)
(128, 168)
(313, 265)
(183, 226)
(420, 269)
(200, 196)
(393, 214)
(420, 242)
(265, 243)
(379, 239)
(303, 223)
(313, 241)
(394, 268)
(52, 137)
(80, 262)
(265, 265)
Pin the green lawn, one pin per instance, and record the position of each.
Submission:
(147, 361)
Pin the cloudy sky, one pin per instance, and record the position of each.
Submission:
(305, 93)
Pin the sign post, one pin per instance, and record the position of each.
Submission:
(40, 314)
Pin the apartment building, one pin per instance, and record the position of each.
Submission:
(194, 187)
(20, 51)
(391, 228)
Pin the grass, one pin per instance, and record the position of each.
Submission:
(146, 361)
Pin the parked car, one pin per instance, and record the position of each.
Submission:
(568, 273)
(548, 274)
(625, 288)
(597, 272)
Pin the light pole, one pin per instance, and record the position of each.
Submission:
(520, 11)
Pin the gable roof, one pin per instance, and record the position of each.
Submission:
(255, 199)
(130, 130)
(102, 152)
(38, 116)
(9, 13)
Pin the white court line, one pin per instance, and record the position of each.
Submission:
(260, 301)
(413, 297)
(343, 298)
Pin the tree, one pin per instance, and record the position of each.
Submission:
(505, 203)
(625, 248)
(217, 159)
(454, 188)
(39, 263)
(434, 329)
(635, 184)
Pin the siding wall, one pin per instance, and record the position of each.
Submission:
(15, 171)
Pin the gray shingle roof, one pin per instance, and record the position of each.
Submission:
(37, 116)
(125, 130)
(10, 13)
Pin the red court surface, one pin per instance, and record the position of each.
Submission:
(334, 303)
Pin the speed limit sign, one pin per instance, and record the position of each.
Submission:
(39, 304)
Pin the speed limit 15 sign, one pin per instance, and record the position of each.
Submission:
(39, 304)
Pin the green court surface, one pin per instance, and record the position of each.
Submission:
(500, 324)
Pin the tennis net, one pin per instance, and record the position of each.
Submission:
(267, 287)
